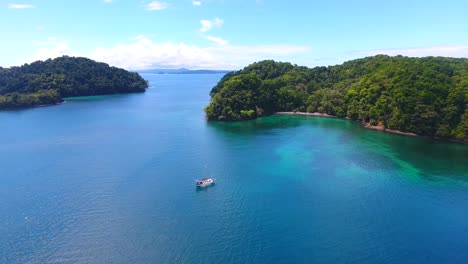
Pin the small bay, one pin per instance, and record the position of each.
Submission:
(111, 179)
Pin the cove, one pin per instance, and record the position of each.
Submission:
(112, 179)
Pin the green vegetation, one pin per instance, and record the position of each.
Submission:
(47, 82)
(427, 96)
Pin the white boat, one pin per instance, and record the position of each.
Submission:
(205, 182)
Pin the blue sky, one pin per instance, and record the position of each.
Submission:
(225, 34)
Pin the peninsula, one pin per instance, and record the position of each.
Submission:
(48, 82)
(423, 96)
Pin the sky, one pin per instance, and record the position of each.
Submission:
(229, 34)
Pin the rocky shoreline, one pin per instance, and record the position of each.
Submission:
(383, 129)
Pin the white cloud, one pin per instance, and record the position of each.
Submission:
(108, 1)
(209, 24)
(20, 6)
(446, 51)
(206, 25)
(51, 48)
(217, 40)
(197, 3)
(156, 5)
(142, 53)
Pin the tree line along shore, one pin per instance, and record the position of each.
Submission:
(423, 96)
(48, 82)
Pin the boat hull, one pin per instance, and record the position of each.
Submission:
(205, 183)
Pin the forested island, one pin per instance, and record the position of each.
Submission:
(425, 96)
(48, 82)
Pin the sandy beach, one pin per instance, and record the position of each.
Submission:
(306, 114)
(364, 124)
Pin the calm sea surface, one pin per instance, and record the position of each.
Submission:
(111, 180)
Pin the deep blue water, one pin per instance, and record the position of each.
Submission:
(111, 180)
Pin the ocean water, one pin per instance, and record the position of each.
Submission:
(111, 180)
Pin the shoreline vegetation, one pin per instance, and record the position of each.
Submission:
(402, 95)
(44, 83)
(379, 127)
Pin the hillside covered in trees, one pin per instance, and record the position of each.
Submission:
(47, 82)
(427, 96)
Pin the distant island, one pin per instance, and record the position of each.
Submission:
(181, 71)
(48, 82)
(418, 96)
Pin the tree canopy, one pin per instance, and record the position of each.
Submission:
(427, 96)
(47, 82)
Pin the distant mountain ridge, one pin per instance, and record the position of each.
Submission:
(182, 71)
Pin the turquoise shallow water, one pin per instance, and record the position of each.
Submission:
(111, 180)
